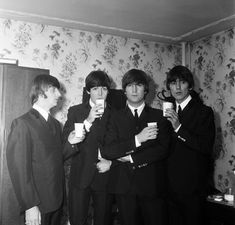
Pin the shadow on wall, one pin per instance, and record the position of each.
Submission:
(219, 151)
(152, 91)
(61, 101)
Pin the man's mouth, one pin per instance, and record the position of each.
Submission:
(179, 93)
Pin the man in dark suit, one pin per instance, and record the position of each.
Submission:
(138, 150)
(35, 156)
(89, 170)
(193, 136)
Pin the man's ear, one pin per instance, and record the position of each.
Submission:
(42, 94)
(88, 92)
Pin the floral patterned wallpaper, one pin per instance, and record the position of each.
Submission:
(213, 63)
(71, 54)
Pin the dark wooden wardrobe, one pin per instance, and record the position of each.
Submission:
(15, 83)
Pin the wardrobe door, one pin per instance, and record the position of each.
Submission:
(15, 83)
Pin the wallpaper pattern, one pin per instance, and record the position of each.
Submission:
(71, 54)
(213, 63)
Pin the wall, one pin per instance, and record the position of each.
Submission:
(213, 63)
(72, 54)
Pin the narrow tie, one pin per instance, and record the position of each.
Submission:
(179, 113)
(136, 120)
(51, 124)
(136, 115)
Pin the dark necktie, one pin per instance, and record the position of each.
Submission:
(51, 124)
(136, 120)
(136, 115)
(179, 113)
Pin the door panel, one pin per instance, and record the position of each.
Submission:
(15, 83)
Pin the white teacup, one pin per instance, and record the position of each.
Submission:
(166, 105)
(152, 124)
(229, 197)
(79, 128)
(100, 102)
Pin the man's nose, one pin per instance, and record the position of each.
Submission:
(178, 85)
(134, 88)
(100, 92)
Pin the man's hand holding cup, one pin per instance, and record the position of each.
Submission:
(148, 133)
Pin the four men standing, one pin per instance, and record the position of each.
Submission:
(134, 153)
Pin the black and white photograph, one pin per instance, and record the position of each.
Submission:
(117, 112)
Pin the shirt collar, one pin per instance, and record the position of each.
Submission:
(184, 103)
(139, 109)
(42, 111)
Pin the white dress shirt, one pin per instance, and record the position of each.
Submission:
(182, 105)
(42, 111)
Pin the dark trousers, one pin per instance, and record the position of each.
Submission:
(139, 210)
(79, 202)
(186, 209)
(52, 218)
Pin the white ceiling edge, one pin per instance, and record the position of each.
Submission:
(212, 28)
(82, 26)
(191, 36)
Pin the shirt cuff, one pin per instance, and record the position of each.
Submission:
(131, 160)
(99, 155)
(177, 129)
(137, 143)
(87, 125)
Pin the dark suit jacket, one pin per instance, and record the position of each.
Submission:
(35, 162)
(192, 145)
(83, 171)
(148, 172)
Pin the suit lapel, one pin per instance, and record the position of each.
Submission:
(129, 115)
(101, 124)
(42, 123)
(144, 114)
(143, 118)
(186, 111)
(131, 119)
